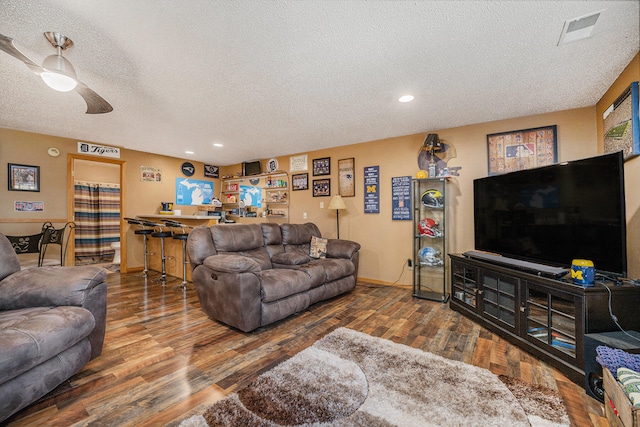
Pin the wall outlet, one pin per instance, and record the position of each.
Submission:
(304, 215)
(409, 264)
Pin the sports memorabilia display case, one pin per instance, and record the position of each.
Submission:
(429, 239)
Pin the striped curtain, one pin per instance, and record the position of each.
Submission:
(97, 218)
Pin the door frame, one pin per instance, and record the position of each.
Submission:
(71, 157)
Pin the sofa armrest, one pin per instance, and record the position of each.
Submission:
(228, 263)
(338, 248)
(49, 286)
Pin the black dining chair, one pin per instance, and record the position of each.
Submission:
(56, 236)
(28, 244)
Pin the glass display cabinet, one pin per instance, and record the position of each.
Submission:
(429, 239)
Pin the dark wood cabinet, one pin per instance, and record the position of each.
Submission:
(546, 317)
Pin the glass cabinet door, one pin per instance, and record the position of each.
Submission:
(499, 298)
(464, 283)
(551, 320)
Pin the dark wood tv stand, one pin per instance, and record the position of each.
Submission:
(543, 316)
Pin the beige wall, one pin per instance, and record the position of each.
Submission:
(386, 244)
(631, 167)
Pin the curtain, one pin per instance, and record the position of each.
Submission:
(97, 218)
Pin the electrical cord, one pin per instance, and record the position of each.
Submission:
(613, 316)
(401, 273)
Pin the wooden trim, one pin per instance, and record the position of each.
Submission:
(71, 157)
(31, 220)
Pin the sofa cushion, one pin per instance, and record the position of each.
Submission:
(31, 336)
(271, 234)
(228, 263)
(278, 283)
(335, 268)
(241, 239)
(290, 258)
(299, 234)
(237, 237)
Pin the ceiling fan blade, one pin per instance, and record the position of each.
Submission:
(7, 45)
(95, 103)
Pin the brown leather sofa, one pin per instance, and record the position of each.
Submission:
(52, 322)
(251, 275)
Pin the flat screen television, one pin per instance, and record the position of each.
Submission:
(554, 214)
(251, 168)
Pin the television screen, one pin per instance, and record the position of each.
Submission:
(554, 214)
(251, 168)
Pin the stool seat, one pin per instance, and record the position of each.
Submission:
(143, 231)
(181, 236)
(161, 234)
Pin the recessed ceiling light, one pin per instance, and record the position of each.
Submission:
(406, 98)
(188, 152)
(217, 145)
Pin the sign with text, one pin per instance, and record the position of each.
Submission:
(372, 189)
(401, 198)
(98, 150)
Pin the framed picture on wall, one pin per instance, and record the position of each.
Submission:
(622, 123)
(522, 149)
(322, 166)
(24, 178)
(346, 176)
(321, 187)
(300, 181)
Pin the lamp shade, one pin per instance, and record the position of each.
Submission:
(58, 73)
(337, 203)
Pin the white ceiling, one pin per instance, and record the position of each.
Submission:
(269, 78)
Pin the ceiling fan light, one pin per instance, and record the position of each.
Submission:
(58, 73)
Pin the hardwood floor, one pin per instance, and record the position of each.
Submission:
(164, 360)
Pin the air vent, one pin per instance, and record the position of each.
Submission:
(578, 28)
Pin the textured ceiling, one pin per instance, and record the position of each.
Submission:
(269, 78)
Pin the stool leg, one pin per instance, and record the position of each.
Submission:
(145, 273)
(163, 277)
(183, 285)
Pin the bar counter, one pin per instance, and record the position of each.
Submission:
(173, 247)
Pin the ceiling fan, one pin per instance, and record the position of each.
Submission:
(57, 72)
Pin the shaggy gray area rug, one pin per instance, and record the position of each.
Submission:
(352, 379)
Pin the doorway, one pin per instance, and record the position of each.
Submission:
(96, 205)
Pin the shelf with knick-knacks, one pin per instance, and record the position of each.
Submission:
(270, 204)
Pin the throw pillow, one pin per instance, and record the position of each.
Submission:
(630, 384)
(318, 247)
